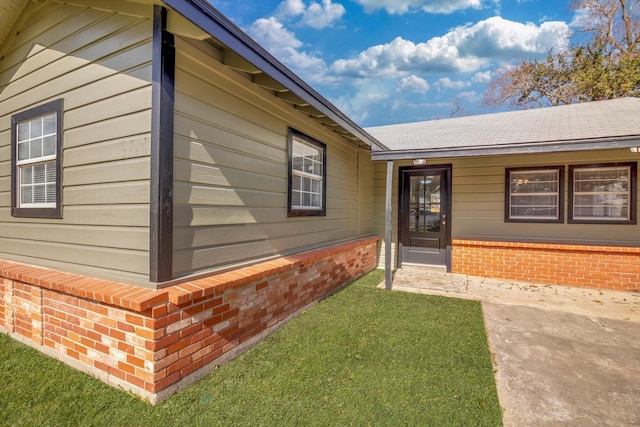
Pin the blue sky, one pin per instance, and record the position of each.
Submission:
(396, 61)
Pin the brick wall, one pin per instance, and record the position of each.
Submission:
(154, 342)
(608, 267)
(2, 301)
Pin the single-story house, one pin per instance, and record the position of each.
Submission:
(547, 195)
(170, 193)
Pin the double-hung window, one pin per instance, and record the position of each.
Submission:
(36, 141)
(534, 194)
(307, 176)
(603, 193)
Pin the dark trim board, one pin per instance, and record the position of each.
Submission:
(633, 203)
(162, 111)
(56, 106)
(559, 193)
(321, 146)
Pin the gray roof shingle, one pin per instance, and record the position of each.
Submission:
(591, 121)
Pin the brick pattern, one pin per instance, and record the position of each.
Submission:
(609, 267)
(105, 338)
(154, 342)
(3, 294)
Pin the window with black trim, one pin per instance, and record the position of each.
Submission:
(603, 193)
(36, 141)
(307, 175)
(534, 194)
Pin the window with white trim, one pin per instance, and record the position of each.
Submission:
(307, 175)
(534, 194)
(36, 136)
(603, 193)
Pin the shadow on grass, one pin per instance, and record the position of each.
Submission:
(363, 356)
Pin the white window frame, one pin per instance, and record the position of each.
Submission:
(312, 156)
(605, 193)
(35, 160)
(33, 138)
(520, 176)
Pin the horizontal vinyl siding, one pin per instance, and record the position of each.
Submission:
(478, 200)
(99, 63)
(230, 192)
(365, 192)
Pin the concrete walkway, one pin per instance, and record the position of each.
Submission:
(564, 356)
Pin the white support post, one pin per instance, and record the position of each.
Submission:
(388, 226)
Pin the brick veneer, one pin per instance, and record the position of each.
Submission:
(609, 267)
(155, 342)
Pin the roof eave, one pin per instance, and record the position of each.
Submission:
(205, 16)
(8, 18)
(526, 148)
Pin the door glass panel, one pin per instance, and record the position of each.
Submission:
(424, 204)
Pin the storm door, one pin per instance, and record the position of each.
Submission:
(424, 215)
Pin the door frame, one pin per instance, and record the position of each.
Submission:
(446, 170)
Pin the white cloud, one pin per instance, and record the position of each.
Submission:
(316, 15)
(323, 15)
(402, 56)
(471, 96)
(284, 45)
(446, 82)
(290, 8)
(481, 77)
(430, 6)
(413, 84)
(502, 39)
(357, 106)
(463, 49)
(271, 34)
(429, 104)
(585, 17)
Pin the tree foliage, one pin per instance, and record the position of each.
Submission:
(604, 64)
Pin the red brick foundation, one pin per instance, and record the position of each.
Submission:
(608, 267)
(155, 342)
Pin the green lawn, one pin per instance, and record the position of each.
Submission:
(364, 356)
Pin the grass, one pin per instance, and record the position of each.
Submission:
(362, 357)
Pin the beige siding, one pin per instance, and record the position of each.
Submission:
(365, 192)
(231, 171)
(478, 200)
(99, 63)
